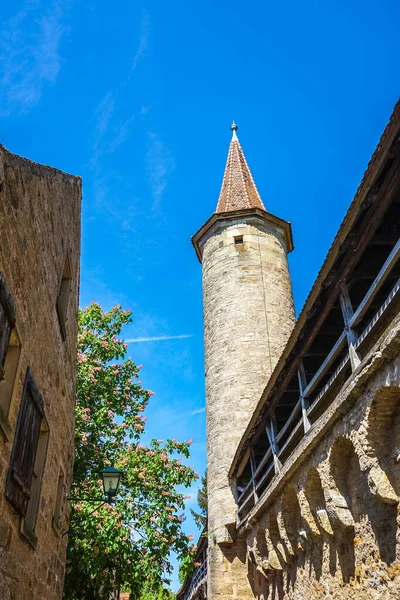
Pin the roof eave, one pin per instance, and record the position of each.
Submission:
(374, 167)
(243, 212)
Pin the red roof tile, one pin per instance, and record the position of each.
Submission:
(238, 188)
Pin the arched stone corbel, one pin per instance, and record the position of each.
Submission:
(286, 545)
(306, 513)
(323, 520)
(263, 570)
(380, 486)
(273, 558)
(378, 481)
(303, 539)
(338, 510)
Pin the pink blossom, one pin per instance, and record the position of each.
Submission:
(111, 414)
(190, 537)
(150, 393)
(139, 367)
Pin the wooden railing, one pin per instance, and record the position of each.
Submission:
(198, 578)
(308, 407)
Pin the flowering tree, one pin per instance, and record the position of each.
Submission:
(127, 543)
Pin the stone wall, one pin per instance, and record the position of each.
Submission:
(248, 316)
(39, 226)
(328, 526)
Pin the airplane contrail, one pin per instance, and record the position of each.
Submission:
(158, 338)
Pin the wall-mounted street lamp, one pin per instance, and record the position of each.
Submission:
(111, 480)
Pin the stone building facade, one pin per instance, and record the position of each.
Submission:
(40, 211)
(303, 420)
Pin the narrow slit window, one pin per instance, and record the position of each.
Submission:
(63, 297)
(238, 239)
(59, 506)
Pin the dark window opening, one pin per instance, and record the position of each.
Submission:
(337, 373)
(287, 403)
(63, 297)
(327, 336)
(243, 479)
(238, 239)
(7, 322)
(10, 372)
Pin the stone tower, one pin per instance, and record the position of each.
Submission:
(248, 316)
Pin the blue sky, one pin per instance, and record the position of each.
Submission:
(137, 98)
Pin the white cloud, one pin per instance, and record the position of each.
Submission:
(160, 163)
(145, 25)
(158, 338)
(29, 54)
(109, 133)
(198, 411)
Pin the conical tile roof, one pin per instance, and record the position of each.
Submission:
(238, 188)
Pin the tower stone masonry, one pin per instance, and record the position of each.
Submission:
(248, 317)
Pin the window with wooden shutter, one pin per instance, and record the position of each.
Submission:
(22, 462)
(28, 524)
(7, 321)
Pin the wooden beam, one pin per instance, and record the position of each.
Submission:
(301, 374)
(266, 474)
(377, 284)
(326, 364)
(289, 420)
(347, 311)
(379, 313)
(264, 459)
(271, 433)
(253, 472)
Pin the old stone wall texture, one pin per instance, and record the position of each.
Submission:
(248, 317)
(330, 527)
(39, 224)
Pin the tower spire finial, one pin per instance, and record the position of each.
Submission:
(238, 189)
(234, 129)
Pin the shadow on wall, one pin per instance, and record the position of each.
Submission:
(353, 515)
(384, 448)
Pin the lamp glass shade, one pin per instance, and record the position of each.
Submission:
(111, 480)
